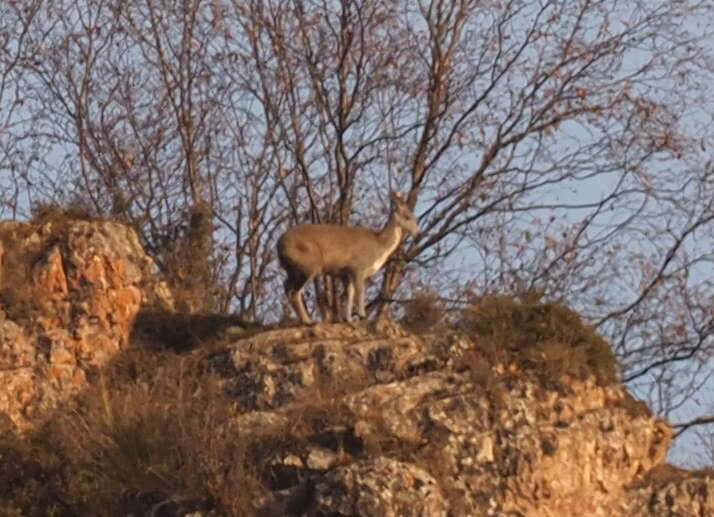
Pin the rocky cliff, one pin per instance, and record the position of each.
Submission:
(69, 292)
(419, 431)
(339, 420)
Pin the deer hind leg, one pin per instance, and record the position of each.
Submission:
(294, 285)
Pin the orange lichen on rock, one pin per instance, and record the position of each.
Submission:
(69, 292)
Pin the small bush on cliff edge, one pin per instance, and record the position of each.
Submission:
(423, 312)
(548, 337)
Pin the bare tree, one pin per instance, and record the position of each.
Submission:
(557, 146)
(130, 92)
(16, 52)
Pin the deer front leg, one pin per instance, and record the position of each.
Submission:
(350, 287)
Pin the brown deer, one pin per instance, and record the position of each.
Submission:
(352, 253)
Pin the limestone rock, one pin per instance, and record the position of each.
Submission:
(412, 433)
(382, 486)
(69, 291)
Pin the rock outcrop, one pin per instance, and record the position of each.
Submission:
(415, 429)
(339, 420)
(69, 291)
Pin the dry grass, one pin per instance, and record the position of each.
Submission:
(166, 433)
(152, 431)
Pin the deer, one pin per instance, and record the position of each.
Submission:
(350, 253)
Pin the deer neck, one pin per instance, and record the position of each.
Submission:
(391, 233)
(389, 237)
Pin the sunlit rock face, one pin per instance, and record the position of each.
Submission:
(421, 434)
(69, 291)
